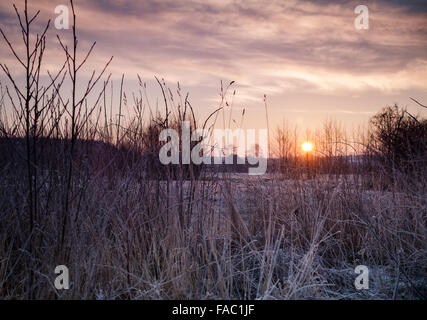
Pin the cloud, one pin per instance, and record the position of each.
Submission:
(274, 47)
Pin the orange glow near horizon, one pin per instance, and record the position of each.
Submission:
(307, 146)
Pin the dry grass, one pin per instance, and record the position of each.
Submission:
(274, 240)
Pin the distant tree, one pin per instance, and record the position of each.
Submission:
(399, 137)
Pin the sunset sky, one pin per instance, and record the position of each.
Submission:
(306, 56)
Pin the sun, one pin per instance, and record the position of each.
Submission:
(307, 146)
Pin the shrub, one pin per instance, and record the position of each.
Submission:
(399, 139)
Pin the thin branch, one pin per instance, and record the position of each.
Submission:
(418, 103)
